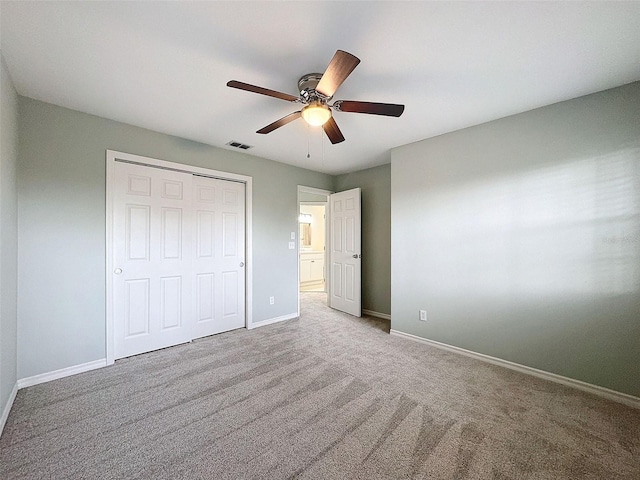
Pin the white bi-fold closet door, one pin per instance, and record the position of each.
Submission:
(178, 257)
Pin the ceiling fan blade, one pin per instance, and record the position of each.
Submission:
(332, 131)
(279, 123)
(387, 109)
(261, 91)
(341, 65)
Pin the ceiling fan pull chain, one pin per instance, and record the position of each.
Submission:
(308, 154)
(322, 136)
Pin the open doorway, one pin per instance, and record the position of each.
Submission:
(341, 284)
(312, 246)
(312, 239)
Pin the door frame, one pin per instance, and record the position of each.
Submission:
(112, 157)
(327, 223)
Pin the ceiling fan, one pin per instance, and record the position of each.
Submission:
(316, 91)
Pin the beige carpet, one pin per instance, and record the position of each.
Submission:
(328, 396)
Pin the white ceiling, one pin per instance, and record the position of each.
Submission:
(164, 66)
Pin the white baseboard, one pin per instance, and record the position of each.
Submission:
(269, 321)
(371, 313)
(63, 372)
(607, 393)
(7, 407)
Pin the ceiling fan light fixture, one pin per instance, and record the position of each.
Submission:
(316, 114)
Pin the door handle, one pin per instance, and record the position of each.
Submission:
(355, 255)
(242, 264)
(117, 271)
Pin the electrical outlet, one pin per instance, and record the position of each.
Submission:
(292, 245)
(423, 315)
(272, 300)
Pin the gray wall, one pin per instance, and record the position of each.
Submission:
(521, 238)
(311, 197)
(61, 206)
(376, 234)
(8, 234)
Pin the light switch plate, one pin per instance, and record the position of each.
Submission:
(293, 235)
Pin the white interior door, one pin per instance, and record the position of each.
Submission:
(152, 259)
(219, 278)
(345, 252)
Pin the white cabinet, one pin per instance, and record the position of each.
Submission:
(317, 269)
(311, 267)
(305, 270)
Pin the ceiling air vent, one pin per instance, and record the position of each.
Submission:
(241, 146)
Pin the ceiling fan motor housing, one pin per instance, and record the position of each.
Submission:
(307, 88)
